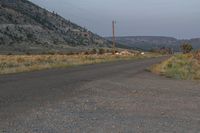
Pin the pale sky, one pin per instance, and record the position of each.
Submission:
(174, 18)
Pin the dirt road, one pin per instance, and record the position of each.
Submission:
(118, 97)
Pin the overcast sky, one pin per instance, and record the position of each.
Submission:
(175, 18)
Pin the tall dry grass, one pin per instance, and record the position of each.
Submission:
(25, 63)
(182, 66)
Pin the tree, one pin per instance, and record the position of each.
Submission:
(186, 48)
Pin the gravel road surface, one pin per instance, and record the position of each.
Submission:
(117, 97)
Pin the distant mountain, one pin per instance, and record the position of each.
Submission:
(195, 42)
(26, 27)
(152, 42)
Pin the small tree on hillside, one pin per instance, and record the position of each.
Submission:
(186, 48)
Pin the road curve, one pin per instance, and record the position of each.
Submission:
(103, 98)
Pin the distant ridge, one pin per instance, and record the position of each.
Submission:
(26, 27)
(151, 42)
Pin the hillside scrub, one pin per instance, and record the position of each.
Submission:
(25, 63)
(26, 27)
(182, 66)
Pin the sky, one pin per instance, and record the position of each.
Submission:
(173, 18)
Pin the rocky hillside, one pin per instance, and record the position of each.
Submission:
(26, 27)
(152, 42)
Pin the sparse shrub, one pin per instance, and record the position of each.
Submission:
(101, 51)
(163, 50)
(7, 28)
(86, 53)
(94, 51)
(28, 53)
(186, 48)
(115, 51)
(70, 53)
(30, 36)
(107, 51)
(51, 53)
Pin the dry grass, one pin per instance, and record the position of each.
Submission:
(25, 63)
(183, 66)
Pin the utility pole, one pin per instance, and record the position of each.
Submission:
(113, 29)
